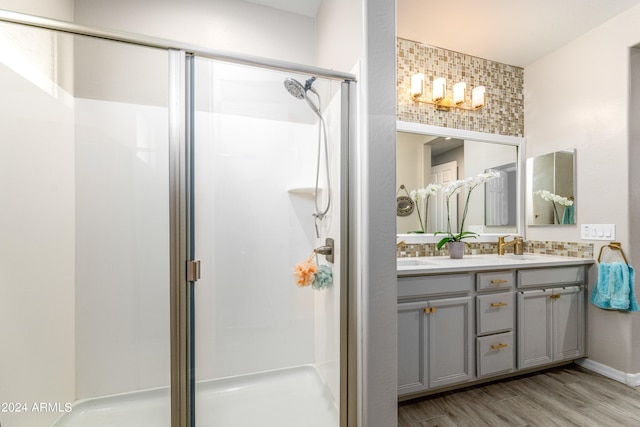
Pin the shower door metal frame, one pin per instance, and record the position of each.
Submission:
(181, 207)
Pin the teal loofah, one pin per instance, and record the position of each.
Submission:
(323, 278)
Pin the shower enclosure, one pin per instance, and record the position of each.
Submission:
(155, 201)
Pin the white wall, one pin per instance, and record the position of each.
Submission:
(376, 220)
(563, 110)
(339, 34)
(230, 25)
(634, 179)
(55, 9)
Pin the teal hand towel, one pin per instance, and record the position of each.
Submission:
(567, 216)
(614, 289)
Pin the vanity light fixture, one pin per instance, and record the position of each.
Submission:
(439, 98)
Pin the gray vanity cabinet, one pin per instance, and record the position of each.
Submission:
(463, 327)
(551, 325)
(435, 333)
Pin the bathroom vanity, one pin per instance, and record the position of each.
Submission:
(463, 321)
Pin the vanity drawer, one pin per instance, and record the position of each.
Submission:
(496, 354)
(418, 286)
(495, 312)
(551, 276)
(495, 280)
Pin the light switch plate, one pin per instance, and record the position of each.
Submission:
(598, 231)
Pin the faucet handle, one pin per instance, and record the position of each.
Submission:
(518, 248)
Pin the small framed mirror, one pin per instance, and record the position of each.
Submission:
(404, 206)
(551, 188)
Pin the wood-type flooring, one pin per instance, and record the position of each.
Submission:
(563, 396)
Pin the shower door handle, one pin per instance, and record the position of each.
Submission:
(193, 270)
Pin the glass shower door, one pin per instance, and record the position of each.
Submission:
(84, 226)
(267, 351)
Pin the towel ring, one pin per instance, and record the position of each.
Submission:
(616, 247)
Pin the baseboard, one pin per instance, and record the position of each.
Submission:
(632, 380)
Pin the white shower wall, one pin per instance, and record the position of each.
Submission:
(122, 248)
(253, 225)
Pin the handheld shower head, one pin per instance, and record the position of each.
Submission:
(296, 89)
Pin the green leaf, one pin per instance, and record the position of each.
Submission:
(466, 234)
(442, 242)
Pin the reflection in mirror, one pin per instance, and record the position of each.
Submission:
(551, 188)
(404, 204)
(500, 196)
(423, 159)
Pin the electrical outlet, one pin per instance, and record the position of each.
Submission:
(598, 231)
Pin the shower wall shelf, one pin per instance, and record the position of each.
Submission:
(304, 191)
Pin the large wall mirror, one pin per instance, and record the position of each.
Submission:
(430, 154)
(551, 188)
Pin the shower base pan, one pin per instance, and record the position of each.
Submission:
(289, 397)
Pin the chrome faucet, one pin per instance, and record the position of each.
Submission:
(518, 245)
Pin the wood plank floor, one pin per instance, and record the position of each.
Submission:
(564, 396)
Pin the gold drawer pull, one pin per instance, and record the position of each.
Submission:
(498, 346)
(498, 304)
(498, 281)
(554, 296)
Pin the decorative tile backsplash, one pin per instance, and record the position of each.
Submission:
(504, 110)
(574, 249)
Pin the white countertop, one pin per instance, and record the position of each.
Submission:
(443, 264)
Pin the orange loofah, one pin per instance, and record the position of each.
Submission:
(304, 272)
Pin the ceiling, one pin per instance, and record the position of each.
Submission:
(513, 32)
(301, 7)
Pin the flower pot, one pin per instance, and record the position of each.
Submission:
(456, 249)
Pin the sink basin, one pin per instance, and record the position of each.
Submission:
(411, 262)
(519, 257)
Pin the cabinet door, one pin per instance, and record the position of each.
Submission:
(568, 323)
(412, 374)
(450, 349)
(534, 328)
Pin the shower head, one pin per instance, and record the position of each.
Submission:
(296, 88)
